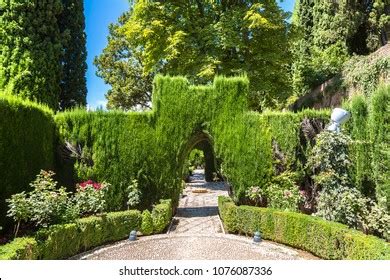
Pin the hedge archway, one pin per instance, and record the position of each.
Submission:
(203, 141)
(151, 146)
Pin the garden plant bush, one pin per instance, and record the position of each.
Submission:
(65, 240)
(328, 240)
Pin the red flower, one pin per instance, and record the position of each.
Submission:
(96, 186)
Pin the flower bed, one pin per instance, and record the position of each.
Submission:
(328, 240)
(66, 240)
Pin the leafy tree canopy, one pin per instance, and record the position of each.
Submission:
(332, 31)
(198, 39)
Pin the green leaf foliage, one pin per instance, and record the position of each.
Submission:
(20, 249)
(30, 49)
(26, 145)
(161, 215)
(325, 239)
(152, 146)
(330, 32)
(199, 39)
(74, 55)
(147, 223)
(121, 67)
(64, 241)
(43, 52)
(380, 138)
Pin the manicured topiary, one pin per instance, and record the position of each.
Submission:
(153, 146)
(328, 240)
(147, 223)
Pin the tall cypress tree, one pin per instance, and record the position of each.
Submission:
(30, 49)
(73, 83)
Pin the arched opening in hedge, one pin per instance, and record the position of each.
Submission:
(203, 141)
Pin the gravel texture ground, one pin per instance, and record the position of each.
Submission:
(197, 247)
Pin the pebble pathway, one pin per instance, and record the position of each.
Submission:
(196, 233)
(197, 212)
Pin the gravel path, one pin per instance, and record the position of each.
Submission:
(196, 233)
(199, 247)
(197, 212)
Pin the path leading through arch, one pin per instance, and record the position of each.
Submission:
(196, 233)
(197, 212)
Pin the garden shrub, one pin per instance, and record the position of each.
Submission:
(62, 241)
(338, 198)
(44, 205)
(27, 143)
(65, 240)
(360, 148)
(147, 223)
(25, 248)
(328, 240)
(162, 215)
(133, 195)
(59, 241)
(119, 148)
(283, 193)
(90, 197)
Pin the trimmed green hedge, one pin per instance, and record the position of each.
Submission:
(325, 239)
(25, 248)
(161, 215)
(153, 146)
(27, 135)
(63, 241)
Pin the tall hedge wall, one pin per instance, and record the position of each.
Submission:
(379, 122)
(369, 129)
(26, 145)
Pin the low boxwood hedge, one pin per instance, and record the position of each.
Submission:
(25, 248)
(328, 240)
(63, 241)
(161, 215)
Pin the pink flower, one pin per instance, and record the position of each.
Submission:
(90, 183)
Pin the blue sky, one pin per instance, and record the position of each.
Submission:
(98, 15)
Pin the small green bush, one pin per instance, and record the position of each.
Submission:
(162, 215)
(147, 223)
(44, 205)
(283, 193)
(133, 194)
(328, 240)
(90, 197)
(25, 248)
